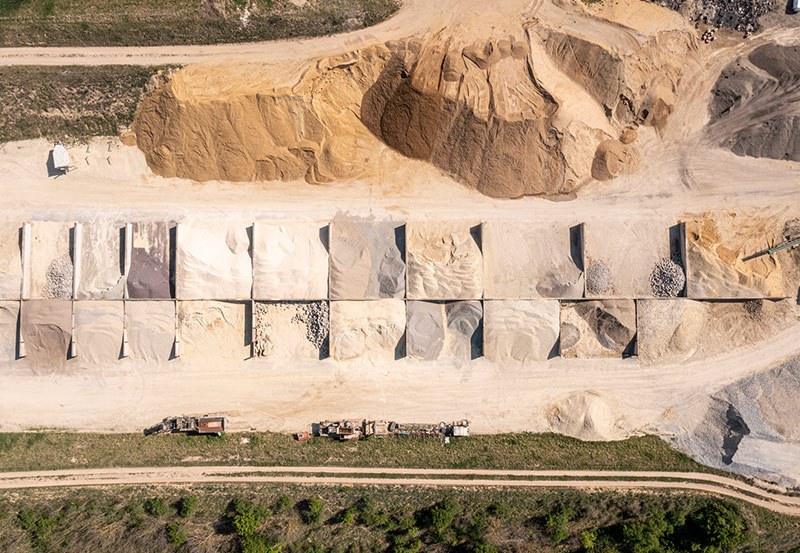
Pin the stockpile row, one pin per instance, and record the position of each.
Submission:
(378, 290)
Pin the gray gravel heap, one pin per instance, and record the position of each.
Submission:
(59, 279)
(667, 279)
(739, 15)
(316, 317)
(598, 278)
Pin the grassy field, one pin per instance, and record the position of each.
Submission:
(69, 102)
(51, 450)
(291, 518)
(172, 22)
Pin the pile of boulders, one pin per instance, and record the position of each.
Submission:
(315, 315)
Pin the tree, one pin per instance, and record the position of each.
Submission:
(314, 510)
(558, 523)
(187, 505)
(176, 534)
(155, 506)
(718, 526)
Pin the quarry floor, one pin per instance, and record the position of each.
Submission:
(683, 175)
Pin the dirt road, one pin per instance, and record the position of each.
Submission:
(616, 480)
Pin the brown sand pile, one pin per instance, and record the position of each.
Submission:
(239, 124)
(46, 326)
(719, 264)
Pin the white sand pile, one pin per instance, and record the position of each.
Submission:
(213, 333)
(10, 260)
(98, 332)
(444, 330)
(366, 259)
(585, 415)
(629, 249)
(151, 329)
(148, 276)
(532, 260)
(520, 330)
(444, 261)
(290, 261)
(51, 265)
(213, 261)
(677, 330)
(717, 248)
(367, 330)
(46, 326)
(9, 313)
(100, 275)
(601, 328)
(292, 331)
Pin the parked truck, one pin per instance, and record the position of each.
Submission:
(205, 424)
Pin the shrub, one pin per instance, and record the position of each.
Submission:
(348, 516)
(285, 503)
(248, 517)
(589, 541)
(558, 524)
(176, 534)
(314, 508)
(260, 544)
(187, 505)
(156, 507)
(38, 524)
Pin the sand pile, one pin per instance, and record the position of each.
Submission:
(213, 333)
(444, 330)
(585, 415)
(678, 330)
(520, 330)
(755, 110)
(250, 122)
(751, 427)
(290, 260)
(621, 255)
(98, 332)
(149, 272)
(151, 329)
(101, 269)
(51, 264)
(444, 260)
(292, 330)
(214, 261)
(10, 261)
(718, 247)
(603, 328)
(368, 330)
(366, 259)
(9, 315)
(532, 260)
(46, 327)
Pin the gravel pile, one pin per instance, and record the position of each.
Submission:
(754, 309)
(598, 278)
(667, 279)
(261, 330)
(740, 15)
(59, 279)
(316, 317)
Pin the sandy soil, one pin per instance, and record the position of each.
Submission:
(680, 173)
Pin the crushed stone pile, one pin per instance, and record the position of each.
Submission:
(739, 15)
(292, 330)
(598, 328)
(520, 331)
(58, 284)
(667, 279)
(316, 317)
(598, 278)
(366, 259)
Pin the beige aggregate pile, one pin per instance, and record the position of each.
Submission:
(98, 332)
(9, 315)
(213, 333)
(213, 261)
(290, 260)
(629, 248)
(525, 260)
(444, 330)
(367, 330)
(10, 260)
(598, 328)
(717, 245)
(586, 415)
(292, 331)
(51, 264)
(101, 275)
(520, 331)
(444, 260)
(679, 330)
(46, 327)
(151, 330)
(149, 272)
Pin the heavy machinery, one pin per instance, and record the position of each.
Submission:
(206, 424)
(350, 429)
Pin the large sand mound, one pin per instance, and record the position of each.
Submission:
(585, 415)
